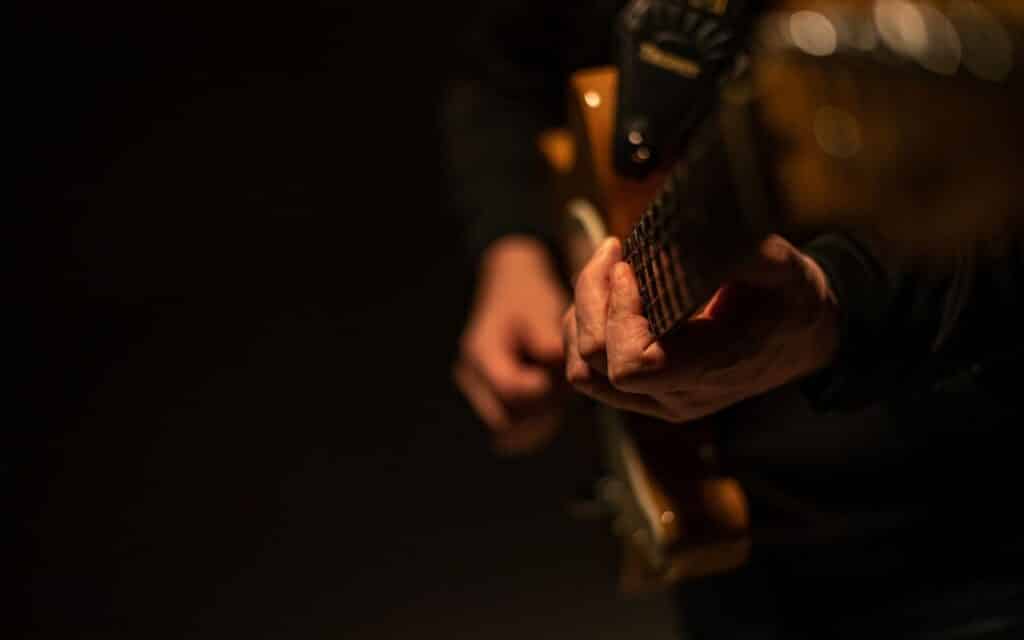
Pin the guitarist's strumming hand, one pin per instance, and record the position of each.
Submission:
(511, 358)
(776, 322)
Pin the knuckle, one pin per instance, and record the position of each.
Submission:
(507, 387)
(626, 368)
(652, 360)
(577, 373)
(590, 345)
(502, 388)
(621, 372)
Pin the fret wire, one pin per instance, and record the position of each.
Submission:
(663, 235)
(671, 284)
(660, 287)
(651, 305)
(655, 310)
(655, 296)
(646, 225)
(645, 293)
(653, 227)
(679, 284)
(664, 313)
(653, 250)
(666, 224)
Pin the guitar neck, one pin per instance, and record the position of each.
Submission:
(707, 219)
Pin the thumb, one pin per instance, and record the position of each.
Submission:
(542, 342)
(774, 264)
(752, 290)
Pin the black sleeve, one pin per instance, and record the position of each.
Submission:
(507, 87)
(908, 326)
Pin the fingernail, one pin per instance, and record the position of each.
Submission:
(612, 247)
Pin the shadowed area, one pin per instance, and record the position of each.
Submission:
(242, 290)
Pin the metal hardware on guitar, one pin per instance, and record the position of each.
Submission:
(669, 56)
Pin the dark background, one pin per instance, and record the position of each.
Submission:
(236, 285)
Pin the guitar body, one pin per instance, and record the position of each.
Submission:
(677, 516)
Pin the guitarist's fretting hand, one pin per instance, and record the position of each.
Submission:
(511, 356)
(775, 323)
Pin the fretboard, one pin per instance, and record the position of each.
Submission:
(691, 237)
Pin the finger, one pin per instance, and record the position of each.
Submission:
(591, 301)
(593, 384)
(632, 349)
(775, 262)
(480, 397)
(702, 355)
(577, 371)
(496, 361)
(542, 342)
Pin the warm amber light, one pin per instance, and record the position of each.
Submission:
(813, 33)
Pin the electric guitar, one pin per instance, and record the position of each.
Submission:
(784, 143)
(677, 516)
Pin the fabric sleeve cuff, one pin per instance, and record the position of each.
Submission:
(854, 378)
